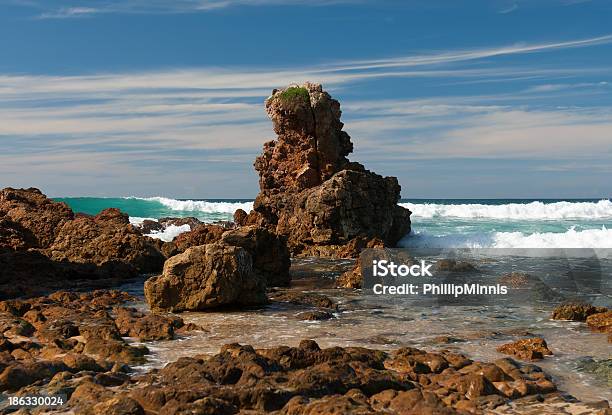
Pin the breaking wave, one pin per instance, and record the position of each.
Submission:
(170, 232)
(588, 238)
(518, 211)
(200, 205)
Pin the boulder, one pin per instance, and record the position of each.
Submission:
(271, 260)
(145, 327)
(200, 235)
(576, 311)
(240, 217)
(527, 349)
(601, 322)
(309, 191)
(451, 265)
(352, 278)
(205, 277)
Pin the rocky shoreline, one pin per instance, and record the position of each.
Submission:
(61, 334)
(81, 345)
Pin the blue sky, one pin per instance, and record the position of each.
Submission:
(458, 99)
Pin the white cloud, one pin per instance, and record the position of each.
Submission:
(49, 10)
(68, 12)
(105, 125)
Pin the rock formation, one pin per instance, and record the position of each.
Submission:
(310, 191)
(270, 255)
(43, 244)
(269, 252)
(526, 349)
(204, 277)
(576, 311)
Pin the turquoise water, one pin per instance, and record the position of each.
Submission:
(436, 222)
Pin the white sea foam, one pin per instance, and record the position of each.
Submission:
(169, 233)
(519, 211)
(201, 205)
(136, 221)
(589, 238)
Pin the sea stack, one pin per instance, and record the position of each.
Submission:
(310, 192)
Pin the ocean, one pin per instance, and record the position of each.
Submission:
(445, 223)
(386, 323)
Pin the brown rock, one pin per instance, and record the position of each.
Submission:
(119, 406)
(145, 327)
(601, 322)
(18, 375)
(310, 191)
(107, 237)
(576, 311)
(451, 265)
(316, 315)
(269, 252)
(240, 217)
(304, 299)
(201, 235)
(352, 278)
(44, 245)
(39, 217)
(527, 349)
(205, 277)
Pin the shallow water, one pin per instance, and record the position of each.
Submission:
(380, 323)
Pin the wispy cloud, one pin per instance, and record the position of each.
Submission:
(143, 125)
(63, 10)
(509, 9)
(69, 12)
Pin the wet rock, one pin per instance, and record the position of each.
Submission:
(189, 220)
(602, 369)
(527, 349)
(530, 286)
(451, 265)
(516, 279)
(309, 191)
(575, 311)
(316, 315)
(116, 351)
(304, 299)
(447, 340)
(145, 327)
(14, 326)
(205, 277)
(600, 322)
(149, 226)
(352, 278)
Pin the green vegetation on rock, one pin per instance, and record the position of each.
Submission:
(294, 93)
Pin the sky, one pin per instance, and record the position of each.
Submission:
(457, 98)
